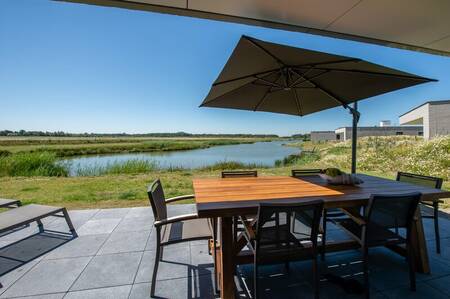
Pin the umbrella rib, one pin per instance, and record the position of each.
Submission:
(253, 42)
(330, 94)
(377, 73)
(297, 100)
(268, 82)
(269, 72)
(265, 95)
(228, 92)
(305, 79)
(329, 62)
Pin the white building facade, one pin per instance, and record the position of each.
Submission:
(434, 116)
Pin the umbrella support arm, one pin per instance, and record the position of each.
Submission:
(356, 115)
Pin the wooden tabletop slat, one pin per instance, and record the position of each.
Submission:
(231, 196)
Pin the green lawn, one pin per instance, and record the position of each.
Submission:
(123, 190)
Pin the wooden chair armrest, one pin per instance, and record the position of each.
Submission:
(182, 197)
(175, 219)
(355, 216)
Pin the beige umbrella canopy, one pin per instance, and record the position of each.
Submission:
(263, 76)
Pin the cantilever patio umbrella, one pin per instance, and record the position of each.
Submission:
(263, 76)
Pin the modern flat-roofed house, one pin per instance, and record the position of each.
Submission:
(434, 116)
(345, 133)
(322, 136)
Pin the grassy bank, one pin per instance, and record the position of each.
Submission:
(65, 147)
(126, 185)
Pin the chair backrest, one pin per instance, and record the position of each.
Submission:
(392, 210)
(305, 172)
(417, 179)
(281, 225)
(239, 173)
(157, 200)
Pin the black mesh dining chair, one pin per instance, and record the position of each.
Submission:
(328, 214)
(432, 182)
(378, 225)
(172, 230)
(285, 233)
(239, 173)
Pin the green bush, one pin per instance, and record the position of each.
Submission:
(232, 165)
(32, 164)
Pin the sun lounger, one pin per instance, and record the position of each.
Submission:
(18, 217)
(9, 203)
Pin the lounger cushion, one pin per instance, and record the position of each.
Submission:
(25, 214)
(186, 230)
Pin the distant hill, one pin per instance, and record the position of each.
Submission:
(177, 134)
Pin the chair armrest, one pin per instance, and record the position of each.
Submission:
(176, 219)
(354, 215)
(177, 198)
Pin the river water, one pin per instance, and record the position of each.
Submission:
(261, 153)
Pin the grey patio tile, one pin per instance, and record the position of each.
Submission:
(33, 247)
(81, 246)
(175, 264)
(423, 291)
(46, 296)
(20, 233)
(100, 226)
(441, 284)
(201, 261)
(145, 212)
(49, 276)
(120, 292)
(135, 224)
(199, 242)
(111, 213)
(178, 209)
(151, 243)
(78, 218)
(180, 288)
(8, 279)
(109, 270)
(125, 242)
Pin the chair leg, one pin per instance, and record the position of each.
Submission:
(365, 252)
(436, 226)
(412, 270)
(40, 226)
(214, 225)
(324, 235)
(69, 223)
(315, 277)
(158, 256)
(255, 281)
(161, 254)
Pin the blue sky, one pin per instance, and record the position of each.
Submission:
(80, 68)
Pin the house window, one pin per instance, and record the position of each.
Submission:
(398, 133)
(420, 134)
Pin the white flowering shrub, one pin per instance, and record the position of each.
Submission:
(392, 154)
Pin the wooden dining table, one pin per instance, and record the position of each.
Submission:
(231, 197)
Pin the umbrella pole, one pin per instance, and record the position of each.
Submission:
(356, 115)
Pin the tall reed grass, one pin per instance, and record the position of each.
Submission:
(32, 164)
(132, 166)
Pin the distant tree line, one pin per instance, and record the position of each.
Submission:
(177, 134)
(305, 137)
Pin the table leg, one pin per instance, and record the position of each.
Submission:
(227, 286)
(420, 246)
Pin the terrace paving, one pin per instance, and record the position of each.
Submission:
(114, 254)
